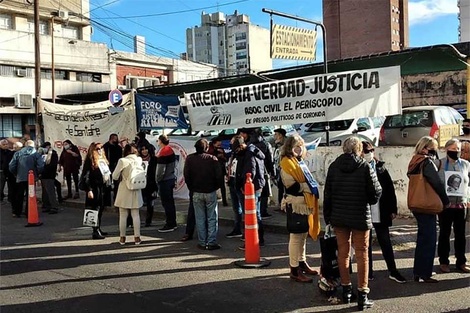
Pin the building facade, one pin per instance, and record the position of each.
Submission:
(230, 42)
(464, 20)
(362, 27)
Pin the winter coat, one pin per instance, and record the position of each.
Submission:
(202, 173)
(113, 153)
(250, 160)
(388, 199)
(151, 186)
(166, 164)
(50, 169)
(351, 186)
(430, 174)
(126, 198)
(5, 157)
(25, 160)
(71, 164)
(267, 150)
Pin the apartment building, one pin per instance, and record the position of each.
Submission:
(361, 27)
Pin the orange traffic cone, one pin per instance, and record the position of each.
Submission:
(33, 216)
(252, 252)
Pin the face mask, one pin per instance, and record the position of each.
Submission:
(369, 157)
(466, 130)
(454, 155)
(66, 147)
(432, 154)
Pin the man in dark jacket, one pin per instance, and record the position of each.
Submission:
(6, 178)
(250, 159)
(51, 161)
(203, 176)
(351, 187)
(113, 152)
(23, 161)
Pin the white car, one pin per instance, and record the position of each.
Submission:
(367, 127)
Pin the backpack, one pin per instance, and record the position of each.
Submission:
(137, 178)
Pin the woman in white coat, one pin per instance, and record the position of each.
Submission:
(128, 200)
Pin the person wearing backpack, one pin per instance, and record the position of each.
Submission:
(129, 195)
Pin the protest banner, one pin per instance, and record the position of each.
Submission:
(159, 112)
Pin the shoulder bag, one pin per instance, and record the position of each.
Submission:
(422, 198)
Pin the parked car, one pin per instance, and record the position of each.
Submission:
(367, 127)
(415, 122)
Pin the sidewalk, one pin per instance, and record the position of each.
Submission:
(403, 231)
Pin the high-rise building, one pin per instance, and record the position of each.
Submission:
(464, 20)
(230, 42)
(362, 27)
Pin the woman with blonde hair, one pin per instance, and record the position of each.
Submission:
(127, 200)
(96, 175)
(424, 155)
(300, 202)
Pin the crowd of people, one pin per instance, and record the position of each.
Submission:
(359, 195)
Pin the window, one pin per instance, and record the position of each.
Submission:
(89, 77)
(10, 126)
(59, 74)
(70, 32)
(411, 118)
(241, 55)
(240, 36)
(43, 27)
(363, 122)
(5, 21)
(240, 45)
(7, 70)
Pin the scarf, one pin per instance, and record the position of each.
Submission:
(294, 168)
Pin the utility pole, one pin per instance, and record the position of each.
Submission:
(37, 70)
(52, 60)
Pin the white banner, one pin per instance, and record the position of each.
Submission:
(84, 124)
(329, 97)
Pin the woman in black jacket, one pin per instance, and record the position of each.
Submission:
(51, 160)
(425, 153)
(382, 214)
(96, 175)
(149, 193)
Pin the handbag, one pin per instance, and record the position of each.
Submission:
(329, 257)
(84, 181)
(296, 223)
(90, 218)
(422, 198)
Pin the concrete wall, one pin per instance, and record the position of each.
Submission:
(396, 160)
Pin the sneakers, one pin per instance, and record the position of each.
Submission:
(167, 229)
(428, 280)
(396, 276)
(137, 240)
(241, 248)
(444, 268)
(234, 234)
(213, 247)
(463, 268)
(122, 241)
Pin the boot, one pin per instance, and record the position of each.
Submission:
(348, 295)
(96, 234)
(304, 267)
(363, 302)
(298, 276)
(102, 233)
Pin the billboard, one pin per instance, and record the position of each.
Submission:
(293, 43)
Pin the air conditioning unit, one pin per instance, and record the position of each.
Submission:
(21, 72)
(163, 78)
(63, 14)
(23, 101)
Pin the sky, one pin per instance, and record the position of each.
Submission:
(163, 23)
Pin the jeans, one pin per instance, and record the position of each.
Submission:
(383, 237)
(165, 188)
(360, 241)
(236, 206)
(425, 245)
(207, 225)
(241, 198)
(447, 218)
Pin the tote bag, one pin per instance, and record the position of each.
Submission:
(421, 196)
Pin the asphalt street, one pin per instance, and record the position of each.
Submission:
(58, 268)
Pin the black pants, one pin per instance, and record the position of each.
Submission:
(20, 191)
(58, 190)
(68, 178)
(97, 203)
(168, 202)
(383, 237)
(280, 190)
(191, 221)
(447, 219)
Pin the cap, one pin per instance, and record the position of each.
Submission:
(281, 131)
(367, 147)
